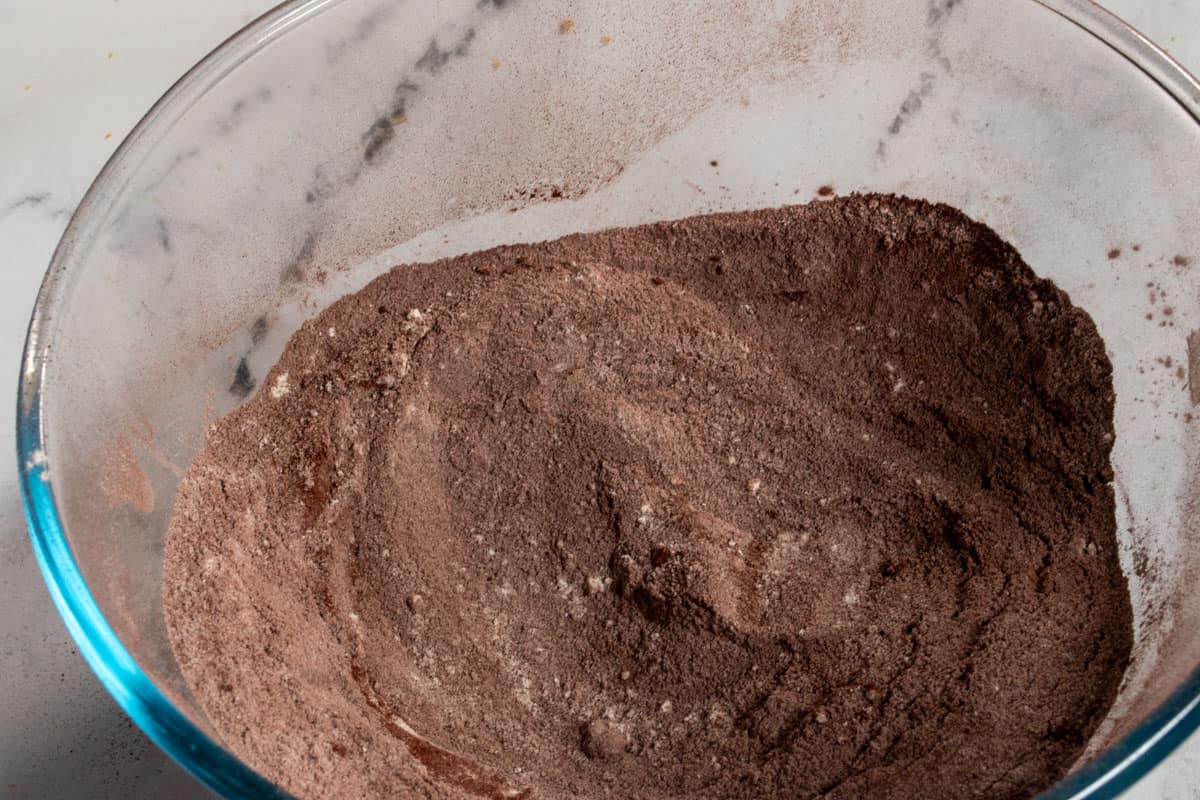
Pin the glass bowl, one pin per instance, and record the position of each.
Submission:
(331, 139)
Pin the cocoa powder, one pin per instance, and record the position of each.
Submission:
(805, 502)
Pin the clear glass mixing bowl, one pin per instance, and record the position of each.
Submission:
(331, 139)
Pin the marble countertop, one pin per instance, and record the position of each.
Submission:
(76, 77)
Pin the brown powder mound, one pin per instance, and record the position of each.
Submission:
(793, 503)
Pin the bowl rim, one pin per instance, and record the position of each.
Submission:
(1107, 775)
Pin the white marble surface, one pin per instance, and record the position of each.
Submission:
(76, 77)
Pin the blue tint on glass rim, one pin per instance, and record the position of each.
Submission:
(112, 663)
(1106, 776)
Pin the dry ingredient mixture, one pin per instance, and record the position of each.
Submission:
(806, 502)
